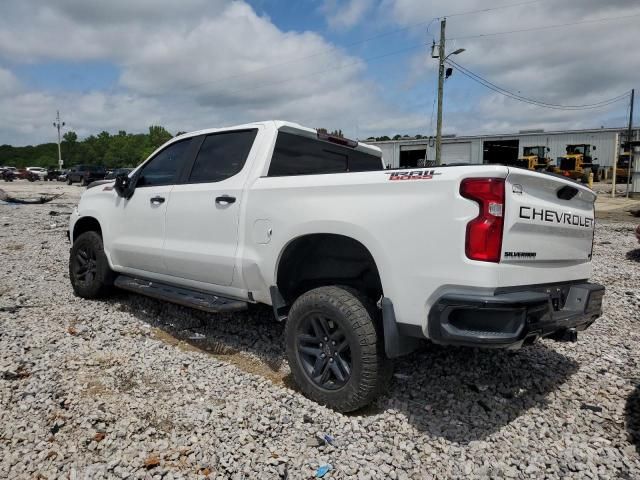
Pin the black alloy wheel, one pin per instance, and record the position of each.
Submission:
(85, 265)
(89, 270)
(324, 351)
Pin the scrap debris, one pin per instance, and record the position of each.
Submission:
(5, 197)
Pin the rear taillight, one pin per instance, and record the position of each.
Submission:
(484, 233)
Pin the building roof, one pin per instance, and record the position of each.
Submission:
(525, 133)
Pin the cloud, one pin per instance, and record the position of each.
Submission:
(204, 63)
(345, 14)
(9, 84)
(207, 63)
(570, 65)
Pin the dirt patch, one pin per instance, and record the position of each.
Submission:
(621, 215)
(226, 354)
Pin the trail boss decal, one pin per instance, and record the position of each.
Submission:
(551, 216)
(413, 175)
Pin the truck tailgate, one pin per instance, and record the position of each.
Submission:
(548, 220)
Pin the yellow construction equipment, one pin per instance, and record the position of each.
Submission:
(577, 163)
(534, 158)
(622, 167)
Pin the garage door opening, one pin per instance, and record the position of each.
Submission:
(414, 156)
(504, 152)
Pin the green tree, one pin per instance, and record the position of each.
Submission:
(120, 150)
(157, 136)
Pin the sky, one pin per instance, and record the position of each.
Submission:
(362, 66)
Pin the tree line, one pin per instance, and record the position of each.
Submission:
(120, 150)
(385, 138)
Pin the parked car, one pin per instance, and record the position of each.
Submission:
(7, 174)
(85, 174)
(62, 177)
(111, 174)
(52, 174)
(32, 176)
(41, 172)
(360, 262)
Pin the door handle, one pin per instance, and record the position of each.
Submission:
(156, 200)
(225, 200)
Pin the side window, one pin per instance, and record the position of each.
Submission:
(222, 155)
(298, 155)
(163, 168)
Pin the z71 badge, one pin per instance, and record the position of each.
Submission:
(413, 175)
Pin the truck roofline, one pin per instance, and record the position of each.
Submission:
(284, 126)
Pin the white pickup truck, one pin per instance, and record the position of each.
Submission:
(361, 262)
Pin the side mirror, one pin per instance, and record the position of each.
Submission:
(124, 186)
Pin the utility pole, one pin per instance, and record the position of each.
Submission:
(58, 125)
(441, 59)
(629, 133)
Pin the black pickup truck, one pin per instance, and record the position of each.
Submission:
(85, 174)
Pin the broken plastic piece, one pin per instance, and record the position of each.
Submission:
(323, 470)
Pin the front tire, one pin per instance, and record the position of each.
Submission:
(336, 349)
(89, 270)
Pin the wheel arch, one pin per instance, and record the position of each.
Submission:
(316, 259)
(85, 224)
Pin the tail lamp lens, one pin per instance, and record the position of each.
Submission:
(484, 233)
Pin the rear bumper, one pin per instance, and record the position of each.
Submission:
(510, 319)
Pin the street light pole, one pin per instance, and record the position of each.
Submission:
(629, 133)
(58, 125)
(441, 59)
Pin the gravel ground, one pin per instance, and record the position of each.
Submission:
(134, 388)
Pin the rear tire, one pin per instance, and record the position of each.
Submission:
(89, 271)
(335, 348)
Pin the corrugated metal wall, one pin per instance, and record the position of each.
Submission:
(557, 142)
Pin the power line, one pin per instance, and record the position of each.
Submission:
(491, 86)
(547, 27)
(491, 9)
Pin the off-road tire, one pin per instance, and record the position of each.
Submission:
(359, 321)
(89, 245)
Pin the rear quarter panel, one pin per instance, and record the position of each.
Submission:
(414, 229)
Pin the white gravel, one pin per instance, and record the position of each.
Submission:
(135, 388)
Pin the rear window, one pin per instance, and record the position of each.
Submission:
(297, 155)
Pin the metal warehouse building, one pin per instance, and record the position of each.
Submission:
(408, 153)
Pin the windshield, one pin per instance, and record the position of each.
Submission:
(576, 149)
(529, 151)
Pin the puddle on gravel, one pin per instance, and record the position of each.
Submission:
(226, 354)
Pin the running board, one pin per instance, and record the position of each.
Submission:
(206, 302)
